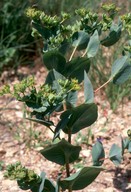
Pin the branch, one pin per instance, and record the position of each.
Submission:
(103, 85)
(74, 50)
(84, 53)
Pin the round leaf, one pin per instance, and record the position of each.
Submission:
(54, 60)
(80, 40)
(61, 153)
(80, 117)
(76, 67)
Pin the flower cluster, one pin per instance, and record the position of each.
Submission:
(5, 90)
(18, 172)
(126, 19)
(33, 13)
(42, 97)
(129, 133)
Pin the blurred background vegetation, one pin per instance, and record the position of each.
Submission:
(17, 46)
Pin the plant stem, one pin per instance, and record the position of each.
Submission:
(103, 85)
(68, 174)
(67, 170)
(84, 53)
(74, 50)
(69, 136)
(67, 162)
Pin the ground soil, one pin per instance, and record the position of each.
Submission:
(18, 144)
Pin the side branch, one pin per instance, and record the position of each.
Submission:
(103, 85)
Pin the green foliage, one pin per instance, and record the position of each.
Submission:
(59, 93)
(26, 178)
(117, 93)
(93, 45)
(98, 154)
(88, 90)
(81, 179)
(115, 154)
(61, 153)
(80, 40)
(113, 36)
(16, 42)
(54, 60)
(1, 165)
(79, 117)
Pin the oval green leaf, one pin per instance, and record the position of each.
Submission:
(93, 45)
(118, 65)
(80, 117)
(115, 154)
(54, 60)
(113, 37)
(76, 67)
(88, 89)
(123, 75)
(129, 147)
(98, 154)
(80, 40)
(52, 79)
(43, 31)
(61, 153)
(81, 179)
(71, 99)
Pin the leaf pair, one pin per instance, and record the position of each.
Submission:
(82, 40)
(63, 152)
(77, 118)
(54, 60)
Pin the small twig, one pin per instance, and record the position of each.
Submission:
(9, 108)
(64, 106)
(84, 53)
(74, 50)
(103, 85)
(67, 170)
(68, 174)
(69, 136)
